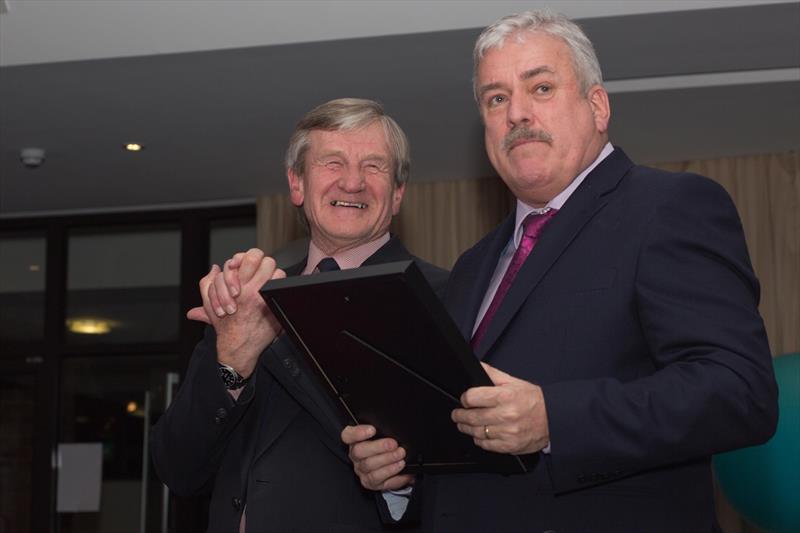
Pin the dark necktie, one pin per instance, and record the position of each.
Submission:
(328, 264)
(531, 229)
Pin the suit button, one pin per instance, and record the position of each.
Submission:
(220, 415)
(237, 503)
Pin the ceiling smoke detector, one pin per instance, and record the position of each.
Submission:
(32, 157)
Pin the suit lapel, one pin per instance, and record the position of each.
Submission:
(579, 209)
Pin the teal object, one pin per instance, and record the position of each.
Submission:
(763, 482)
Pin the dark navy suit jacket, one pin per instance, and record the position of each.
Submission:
(277, 449)
(637, 314)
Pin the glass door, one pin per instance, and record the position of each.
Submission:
(106, 480)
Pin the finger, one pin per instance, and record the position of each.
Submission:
(251, 262)
(206, 280)
(398, 482)
(377, 479)
(478, 432)
(355, 434)
(498, 377)
(378, 461)
(198, 314)
(264, 272)
(475, 416)
(205, 285)
(367, 449)
(494, 445)
(278, 274)
(223, 295)
(230, 276)
(236, 260)
(480, 397)
(213, 301)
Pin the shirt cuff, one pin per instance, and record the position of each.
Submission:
(397, 501)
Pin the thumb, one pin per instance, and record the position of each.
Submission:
(498, 377)
(198, 314)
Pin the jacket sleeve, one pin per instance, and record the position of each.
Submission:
(713, 388)
(189, 439)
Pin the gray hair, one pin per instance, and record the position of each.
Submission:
(584, 58)
(349, 114)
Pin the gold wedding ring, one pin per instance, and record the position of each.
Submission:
(486, 432)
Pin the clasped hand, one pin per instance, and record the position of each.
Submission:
(233, 305)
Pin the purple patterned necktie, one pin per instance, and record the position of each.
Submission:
(531, 229)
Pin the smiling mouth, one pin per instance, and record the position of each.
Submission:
(341, 203)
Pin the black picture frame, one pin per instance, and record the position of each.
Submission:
(385, 349)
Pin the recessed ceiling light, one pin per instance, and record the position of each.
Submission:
(134, 147)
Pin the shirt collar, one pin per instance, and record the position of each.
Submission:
(523, 209)
(351, 258)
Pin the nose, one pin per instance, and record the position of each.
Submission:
(351, 180)
(519, 112)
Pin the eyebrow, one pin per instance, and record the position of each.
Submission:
(528, 74)
(376, 157)
(532, 73)
(331, 153)
(369, 157)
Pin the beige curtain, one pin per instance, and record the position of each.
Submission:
(277, 222)
(440, 220)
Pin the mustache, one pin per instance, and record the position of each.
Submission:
(524, 133)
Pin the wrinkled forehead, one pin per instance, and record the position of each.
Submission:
(361, 140)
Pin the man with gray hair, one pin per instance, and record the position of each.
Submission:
(615, 311)
(249, 423)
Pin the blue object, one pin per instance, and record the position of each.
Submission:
(763, 482)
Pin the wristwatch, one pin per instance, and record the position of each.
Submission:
(231, 377)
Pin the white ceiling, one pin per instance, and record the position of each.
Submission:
(213, 88)
(46, 31)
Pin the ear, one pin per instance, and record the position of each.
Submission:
(601, 107)
(397, 198)
(296, 191)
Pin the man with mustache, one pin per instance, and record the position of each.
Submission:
(249, 423)
(615, 311)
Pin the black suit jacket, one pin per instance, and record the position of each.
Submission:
(637, 315)
(276, 450)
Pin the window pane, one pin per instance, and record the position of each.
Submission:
(22, 277)
(123, 286)
(229, 237)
